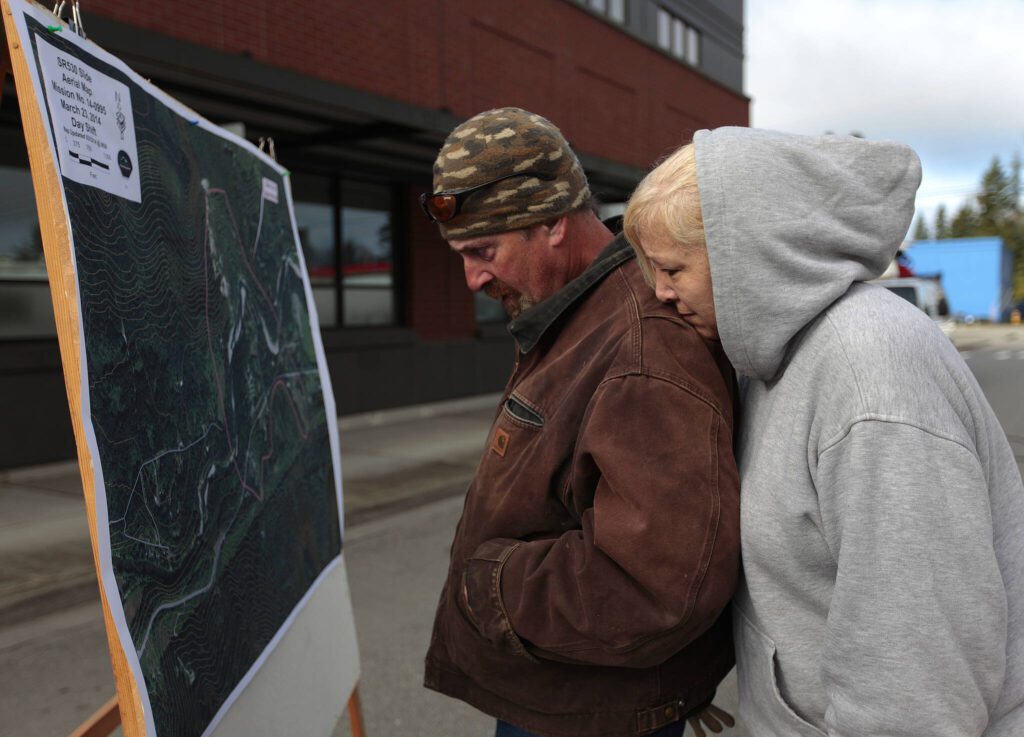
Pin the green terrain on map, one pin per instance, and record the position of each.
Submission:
(207, 407)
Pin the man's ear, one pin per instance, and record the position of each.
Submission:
(557, 230)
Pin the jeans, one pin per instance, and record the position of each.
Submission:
(509, 730)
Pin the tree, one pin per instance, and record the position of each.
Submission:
(999, 212)
(1015, 165)
(1013, 237)
(941, 228)
(996, 202)
(965, 223)
(921, 230)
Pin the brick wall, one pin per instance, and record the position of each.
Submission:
(611, 95)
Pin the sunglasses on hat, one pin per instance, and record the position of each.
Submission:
(440, 207)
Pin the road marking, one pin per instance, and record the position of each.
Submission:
(1001, 355)
(966, 355)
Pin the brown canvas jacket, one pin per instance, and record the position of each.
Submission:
(599, 543)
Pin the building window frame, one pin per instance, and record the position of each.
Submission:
(390, 196)
(676, 37)
(614, 11)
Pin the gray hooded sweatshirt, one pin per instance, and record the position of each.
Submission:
(882, 510)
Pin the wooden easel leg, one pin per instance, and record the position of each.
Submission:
(355, 714)
(102, 723)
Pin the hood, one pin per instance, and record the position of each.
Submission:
(791, 222)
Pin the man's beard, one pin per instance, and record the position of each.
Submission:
(513, 301)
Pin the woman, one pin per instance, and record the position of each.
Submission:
(882, 511)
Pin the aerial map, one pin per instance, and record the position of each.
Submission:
(204, 391)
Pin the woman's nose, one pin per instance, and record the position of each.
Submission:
(663, 290)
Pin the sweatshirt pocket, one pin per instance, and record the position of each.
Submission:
(763, 709)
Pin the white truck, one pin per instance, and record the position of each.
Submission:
(926, 293)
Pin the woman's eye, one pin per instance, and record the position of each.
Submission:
(670, 272)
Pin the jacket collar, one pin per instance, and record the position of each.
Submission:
(529, 327)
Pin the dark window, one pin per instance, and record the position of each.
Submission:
(337, 220)
(26, 310)
(367, 252)
(314, 218)
(908, 293)
(359, 216)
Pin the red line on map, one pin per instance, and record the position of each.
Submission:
(303, 431)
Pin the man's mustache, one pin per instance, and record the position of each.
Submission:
(514, 301)
(499, 290)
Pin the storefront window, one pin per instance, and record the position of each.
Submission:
(314, 218)
(25, 307)
(326, 208)
(368, 285)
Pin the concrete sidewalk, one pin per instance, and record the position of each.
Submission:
(391, 460)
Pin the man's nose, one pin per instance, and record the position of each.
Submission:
(476, 277)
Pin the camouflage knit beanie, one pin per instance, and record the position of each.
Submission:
(495, 144)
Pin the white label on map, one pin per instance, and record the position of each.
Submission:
(270, 190)
(93, 125)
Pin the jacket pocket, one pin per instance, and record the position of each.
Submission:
(481, 600)
(519, 410)
(763, 709)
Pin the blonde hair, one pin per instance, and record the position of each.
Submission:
(666, 204)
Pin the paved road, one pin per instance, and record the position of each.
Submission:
(54, 666)
(1000, 372)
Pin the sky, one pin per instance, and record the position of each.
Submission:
(943, 76)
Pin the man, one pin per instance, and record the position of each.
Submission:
(598, 547)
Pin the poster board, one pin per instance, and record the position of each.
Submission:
(199, 394)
